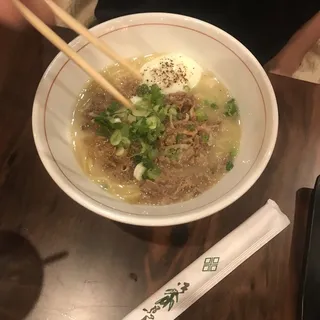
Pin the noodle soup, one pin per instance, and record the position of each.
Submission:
(180, 138)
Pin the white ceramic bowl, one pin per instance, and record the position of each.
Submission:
(137, 35)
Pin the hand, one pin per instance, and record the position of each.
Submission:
(285, 63)
(288, 60)
(11, 17)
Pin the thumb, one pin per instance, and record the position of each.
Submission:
(10, 15)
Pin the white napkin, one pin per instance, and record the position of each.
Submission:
(214, 265)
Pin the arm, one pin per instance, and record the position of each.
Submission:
(287, 61)
(10, 16)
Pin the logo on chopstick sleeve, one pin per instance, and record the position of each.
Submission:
(210, 264)
(169, 299)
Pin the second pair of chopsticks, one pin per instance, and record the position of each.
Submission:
(63, 46)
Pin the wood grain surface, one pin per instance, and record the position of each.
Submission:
(59, 261)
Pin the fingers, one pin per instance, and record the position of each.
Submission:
(11, 17)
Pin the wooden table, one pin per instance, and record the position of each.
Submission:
(59, 261)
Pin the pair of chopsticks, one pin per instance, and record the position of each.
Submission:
(63, 46)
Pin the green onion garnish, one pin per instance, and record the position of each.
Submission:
(115, 138)
(205, 138)
(201, 115)
(229, 165)
(231, 108)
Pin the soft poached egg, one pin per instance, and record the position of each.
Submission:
(172, 72)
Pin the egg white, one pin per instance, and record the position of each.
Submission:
(172, 72)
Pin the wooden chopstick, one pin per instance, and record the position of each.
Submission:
(63, 46)
(98, 43)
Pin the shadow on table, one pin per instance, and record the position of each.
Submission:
(21, 275)
(204, 232)
(176, 235)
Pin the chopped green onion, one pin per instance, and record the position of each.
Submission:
(144, 124)
(103, 131)
(186, 88)
(179, 137)
(143, 105)
(148, 163)
(120, 152)
(114, 106)
(140, 113)
(161, 128)
(131, 118)
(152, 136)
(162, 113)
(179, 116)
(148, 151)
(105, 186)
(144, 147)
(115, 120)
(205, 138)
(137, 158)
(173, 153)
(115, 138)
(125, 142)
(139, 170)
(211, 104)
(157, 98)
(154, 173)
(234, 152)
(214, 106)
(125, 130)
(191, 127)
(155, 89)
(173, 111)
(231, 108)
(156, 108)
(152, 153)
(201, 115)
(140, 127)
(153, 122)
(229, 165)
(101, 118)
